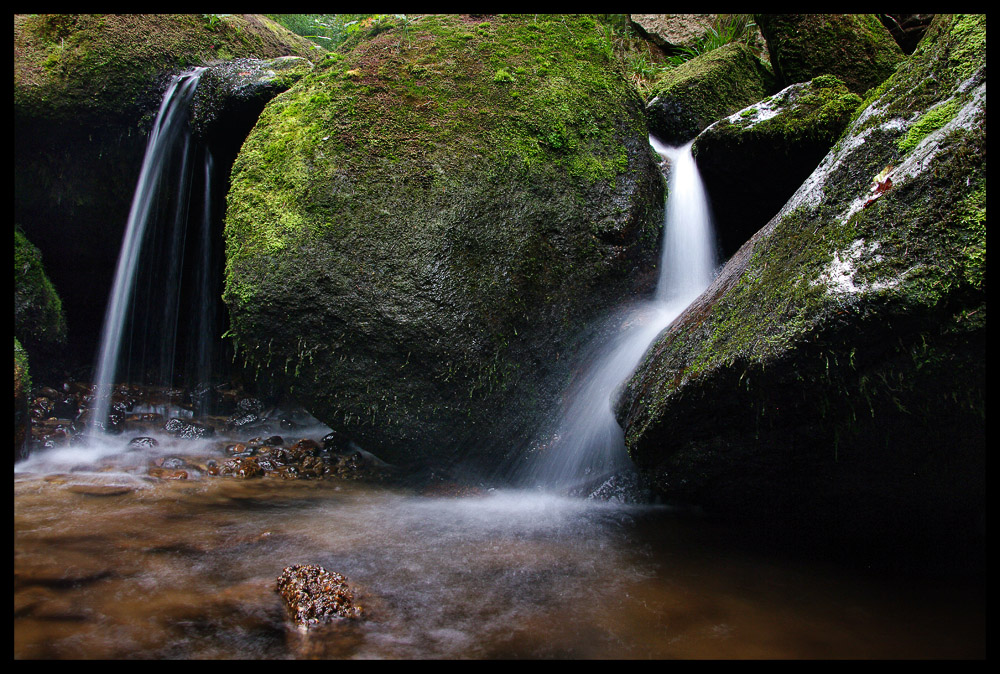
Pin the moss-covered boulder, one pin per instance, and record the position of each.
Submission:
(418, 230)
(39, 321)
(834, 374)
(86, 89)
(752, 161)
(856, 48)
(22, 386)
(688, 98)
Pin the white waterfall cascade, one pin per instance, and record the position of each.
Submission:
(586, 442)
(169, 128)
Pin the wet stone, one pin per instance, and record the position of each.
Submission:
(315, 596)
(142, 442)
(188, 429)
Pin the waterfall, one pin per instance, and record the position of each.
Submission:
(586, 442)
(169, 135)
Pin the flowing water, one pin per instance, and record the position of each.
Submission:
(585, 442)
(156, 229)
(187, 569)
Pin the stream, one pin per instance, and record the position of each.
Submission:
(112, 563)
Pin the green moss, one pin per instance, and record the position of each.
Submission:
(22, 374)
(929, 122)
(38, 313)
(76, 66)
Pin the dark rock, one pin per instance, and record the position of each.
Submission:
(844, 343)
(906, 29)
(315, 596)
(688, 98)
(856, 48)
(429, 267)
(143, 442)
(753, 161)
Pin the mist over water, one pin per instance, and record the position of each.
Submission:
(585, 442)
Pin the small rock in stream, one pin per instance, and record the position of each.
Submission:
(315, 596)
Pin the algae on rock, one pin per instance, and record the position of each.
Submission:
(419, 230)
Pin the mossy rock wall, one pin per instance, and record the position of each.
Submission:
(752, 161)
(22, 386)
(39, 321)
(856, 48)
(86, 90)
(688, 98)
(419, 230)
(834, 374)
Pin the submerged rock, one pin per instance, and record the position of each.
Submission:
(833, 375)
(420, 228)
(314, 596)
(688, 98)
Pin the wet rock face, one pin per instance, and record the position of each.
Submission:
(315, 596)
(753, 161)
(696, 93)
(856, 48)
(844, 343)
(417, 268)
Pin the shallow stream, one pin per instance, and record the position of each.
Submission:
(150, 568)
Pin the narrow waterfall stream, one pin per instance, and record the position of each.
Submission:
(163, 195)
(586, 442)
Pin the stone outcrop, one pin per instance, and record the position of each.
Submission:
(856, 48)
(419, 230)
(690, 97)
(672, 31)
(752, 161)
(834, 374)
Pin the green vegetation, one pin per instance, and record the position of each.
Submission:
(38, 313)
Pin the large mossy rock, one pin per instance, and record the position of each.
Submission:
(833, 376)
(22, 386)
(419, 230)
(752, 161)
(688, 98)
(39, 321)
(86, 90)
(856, 48)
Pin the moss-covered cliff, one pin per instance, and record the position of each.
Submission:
(834, 373)
(417, 230)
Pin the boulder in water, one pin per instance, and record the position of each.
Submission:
(421, 227)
